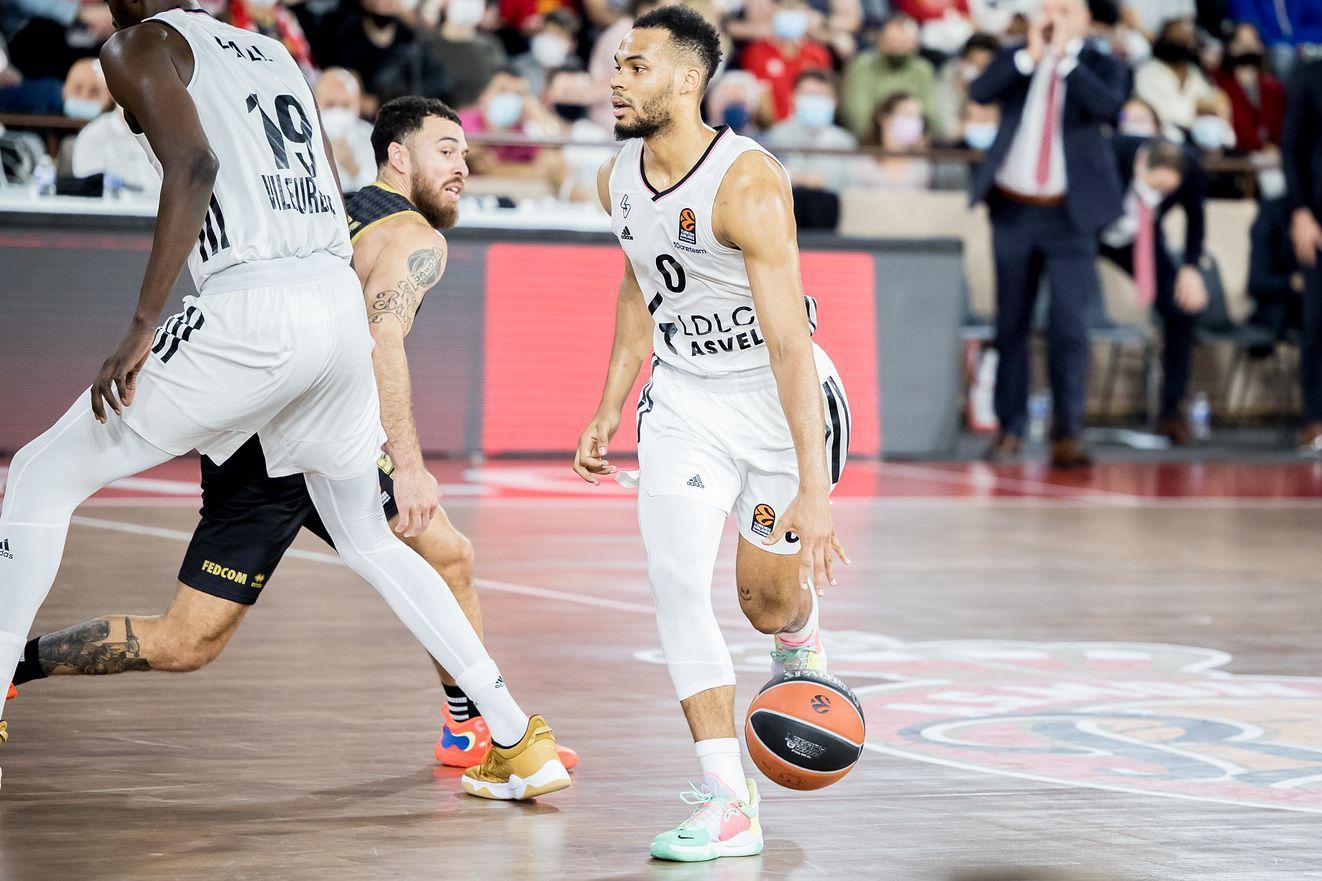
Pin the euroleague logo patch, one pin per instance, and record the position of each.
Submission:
(764, 520)
(820, 703)
(1142, 718)
(688, 227)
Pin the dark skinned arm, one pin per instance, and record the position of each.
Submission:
(145, 67)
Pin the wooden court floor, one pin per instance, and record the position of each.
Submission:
(1111, 677)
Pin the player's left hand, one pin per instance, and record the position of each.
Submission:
(1190, 290)
(809, 518)
(119, 373)
(418, 498)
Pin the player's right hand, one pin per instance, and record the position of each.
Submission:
(418, 498)
(590, 460)
(118, 378)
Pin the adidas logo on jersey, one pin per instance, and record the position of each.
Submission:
(696, 482)
(4, 549)
(625, 234)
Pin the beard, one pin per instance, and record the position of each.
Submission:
(652, 118)
(434, 205)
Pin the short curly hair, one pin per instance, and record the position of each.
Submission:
(398, 119)
(689, 32)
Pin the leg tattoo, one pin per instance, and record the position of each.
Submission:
(87, 649)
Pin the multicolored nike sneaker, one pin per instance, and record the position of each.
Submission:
(526, 770)
(720, 826)
(462, 744)
(465, 744)
(795, 657)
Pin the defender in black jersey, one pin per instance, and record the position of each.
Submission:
(250, 519)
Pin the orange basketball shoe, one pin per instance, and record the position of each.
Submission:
(466, 744)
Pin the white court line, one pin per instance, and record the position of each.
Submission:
(334, 559)
(989, 480)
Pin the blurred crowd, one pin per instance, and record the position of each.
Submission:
(1141, 101)
(798, 74)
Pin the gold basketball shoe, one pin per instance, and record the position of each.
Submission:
(526, 770)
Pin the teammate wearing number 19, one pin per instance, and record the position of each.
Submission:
(743, 414)
(275, 344)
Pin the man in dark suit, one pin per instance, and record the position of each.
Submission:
(1157, 176)
(1051, 185)
(1301, 159)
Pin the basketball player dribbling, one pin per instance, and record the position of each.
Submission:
(743, 414)
(275, 344)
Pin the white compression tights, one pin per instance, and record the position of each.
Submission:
(683, 537)
(48, 479)
(351, 510)
(51, 476)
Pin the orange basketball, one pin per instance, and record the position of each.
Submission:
(805, 730)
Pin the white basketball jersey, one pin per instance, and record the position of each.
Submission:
(696, 288)
(275, 194)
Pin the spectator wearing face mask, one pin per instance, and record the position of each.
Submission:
(779, 60)
(1138, 118)
(952, 86)
(340, 101)
(734, 99)
(979, 125)
(369, 41)
(894, 66)
(1257, 99)
(1284, 25)
(507, 108)
(454, 62)
(551, 46)
(86, 95)
(898, 127)
(568, 96)
(1172, 82)
(1212, 131)
(943, 25)
(812, 124)
(1116, 34)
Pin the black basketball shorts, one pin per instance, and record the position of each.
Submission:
(248, 522)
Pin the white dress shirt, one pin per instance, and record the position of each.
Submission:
(1176, 103)
(106, 144)
(1124, 230)
(1019, 170)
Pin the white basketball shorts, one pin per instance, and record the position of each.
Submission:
(291, 363)
(725, 441)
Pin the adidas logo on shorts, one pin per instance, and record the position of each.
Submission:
(4, 549)
(696, 482)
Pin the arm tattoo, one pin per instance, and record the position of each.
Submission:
(424, 270)
(88, 649)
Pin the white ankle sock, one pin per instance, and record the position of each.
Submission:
(484, 686)
(800, 636)
(720, 757)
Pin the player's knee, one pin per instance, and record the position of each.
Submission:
(768, 612)
(455, 559)
(187, 654)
